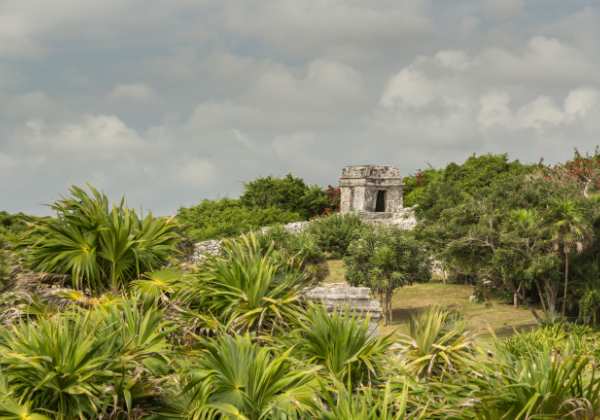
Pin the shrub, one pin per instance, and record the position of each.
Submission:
(83, 364)
(365, 404)
(236, 378)
(227, 218)
(435, 346)
(335, 233)
(344, 345)
(288, 193)
(246, 288)
(298, 249)
(100, 247)
(542, 384)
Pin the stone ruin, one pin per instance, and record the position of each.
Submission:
(342, 297)
(213, 246)
(374, 192)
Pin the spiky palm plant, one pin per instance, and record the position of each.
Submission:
(343, 344)
(85, 364)
(12, 409)
(237, 378)
(435, 346)
(368, 403)
(542, 385)
(247, 288)
(97, 246)
(157, 286)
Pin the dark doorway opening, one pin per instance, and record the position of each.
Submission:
(380, 203)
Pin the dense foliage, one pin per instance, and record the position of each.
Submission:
(527, 232)
(227, 218)
(288, 193)
(265, 202)
(335, 233)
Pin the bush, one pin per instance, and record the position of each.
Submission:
(236, 378)
(343, 345)
(436, 346)
(288, 193)
(299, 249)
(84, 365)
(335, 233)
(246, 288)
(227, 218)
(99, 247)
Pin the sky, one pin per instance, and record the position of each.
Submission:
(171, 102)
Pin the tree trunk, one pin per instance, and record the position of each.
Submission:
(383, 303)
(564, 302)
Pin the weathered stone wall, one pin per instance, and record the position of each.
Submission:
(213, 246)
(404, 219)
(342, 297)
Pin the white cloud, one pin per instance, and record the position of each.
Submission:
(495, 110)
(542, 112)
(410, 88)
(580, 101)
(196, 172)
(93, 137)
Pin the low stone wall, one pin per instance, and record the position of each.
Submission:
(213, 246)
(404, 219)
(341, 297)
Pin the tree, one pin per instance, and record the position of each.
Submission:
(288, 193)
(385, 259)
(570, 230)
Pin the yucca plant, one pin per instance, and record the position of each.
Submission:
(542, 385)
(157, 286)
(237, 378)
(436, 346)
(85, 364)
(247, 288)
(368, 403)
(12, 409)
(343, 344)
(61, 365)
(97, 246)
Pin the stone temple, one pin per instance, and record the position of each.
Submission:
(374, 192)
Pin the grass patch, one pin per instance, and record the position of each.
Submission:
(337, 272)
(493, 315)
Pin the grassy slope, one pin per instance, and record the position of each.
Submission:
(497, 316)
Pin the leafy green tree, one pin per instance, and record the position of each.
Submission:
(97, 246)
(288, 193)
(571, 230)
(385, 259)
